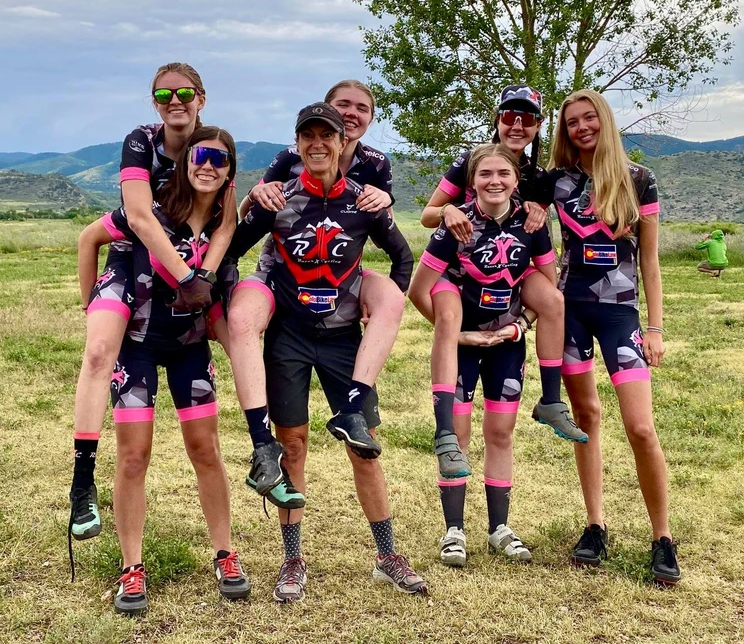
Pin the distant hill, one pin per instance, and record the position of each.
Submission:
(96, 167)
(656, 145)
(36, 191)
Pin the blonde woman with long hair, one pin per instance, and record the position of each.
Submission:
(609, 213)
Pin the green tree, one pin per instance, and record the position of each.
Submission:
(443, 62)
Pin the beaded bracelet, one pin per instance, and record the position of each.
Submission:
(655, 329)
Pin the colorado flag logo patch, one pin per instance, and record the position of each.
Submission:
(600, 254)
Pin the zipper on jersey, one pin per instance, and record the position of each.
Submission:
(321, 238)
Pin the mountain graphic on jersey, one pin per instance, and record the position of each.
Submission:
(317, 252)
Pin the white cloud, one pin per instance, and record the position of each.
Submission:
(32, 12)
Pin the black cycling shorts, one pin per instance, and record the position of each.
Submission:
(290, 354)
(190, 373)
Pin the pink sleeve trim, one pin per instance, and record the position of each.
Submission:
(215, 312)
(576, 368)
(262, 181)
(140, 415)
(434, 263)
(368, 271)
(134, 174)
(111, 229)
(551, 363)
(501, 407)
(497, 482)
(451, 482)
(448, 389)
(259, 286)
(443, 285)
(197, 412)
(87, 436)
(445, 185)
(462, 409)
(630, 375)
(541, 260)
(114, 306)
(650, 209)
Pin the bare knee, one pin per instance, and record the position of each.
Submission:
(133, 463)
(295, 449)
(587, 414)
(551, 305)
(204, 454)
(499, 440)
(249, 315)
(382, 297)
(100, 355)
(642, 436)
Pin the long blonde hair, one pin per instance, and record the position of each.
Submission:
(615, 196)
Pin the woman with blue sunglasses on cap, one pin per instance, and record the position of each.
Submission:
(189, 211)
(148, 161)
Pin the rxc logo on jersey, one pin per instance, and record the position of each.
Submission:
(329, 242)
(504, 249)
(495, 300)
(318, 300)
(600, 254)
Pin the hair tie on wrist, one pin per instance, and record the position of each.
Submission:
(655, 329)
(188, 277)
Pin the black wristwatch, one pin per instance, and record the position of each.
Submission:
(206, 275)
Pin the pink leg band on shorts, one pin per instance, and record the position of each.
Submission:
(448, 389)
(367, 271)
(87, 436)
(101, 304)
(630, 375)
(575, 368)
(197, 412)
(501, 407)
(462, 409)
(140, 415)
(551, 363)
(444, 285)
(451, 482)
(215, 312)
(259, 286)
(497, 482)
(528, 272)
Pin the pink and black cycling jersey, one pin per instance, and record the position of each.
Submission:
(153, 323)
(599, 264)
(369, 166)
(143, 157)
(493, 264)
(455, 182)
(318, 245)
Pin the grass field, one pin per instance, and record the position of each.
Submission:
(699, 409)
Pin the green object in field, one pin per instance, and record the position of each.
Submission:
(716, 249)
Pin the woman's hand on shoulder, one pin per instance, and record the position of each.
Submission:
(536, 216)
(373, 199)
(269, 195)
(457, 223)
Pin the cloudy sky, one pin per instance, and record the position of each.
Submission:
(78, 72)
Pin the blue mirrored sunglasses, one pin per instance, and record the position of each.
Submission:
(218, 158)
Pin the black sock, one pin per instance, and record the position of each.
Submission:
(85, 463)
(453, 503)
(382, 531)
(497, 499)
(258, 426)
(221, 554)
(138, 566)
(443, 404)
(357, 396)
(550, 377)
(292, 542)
